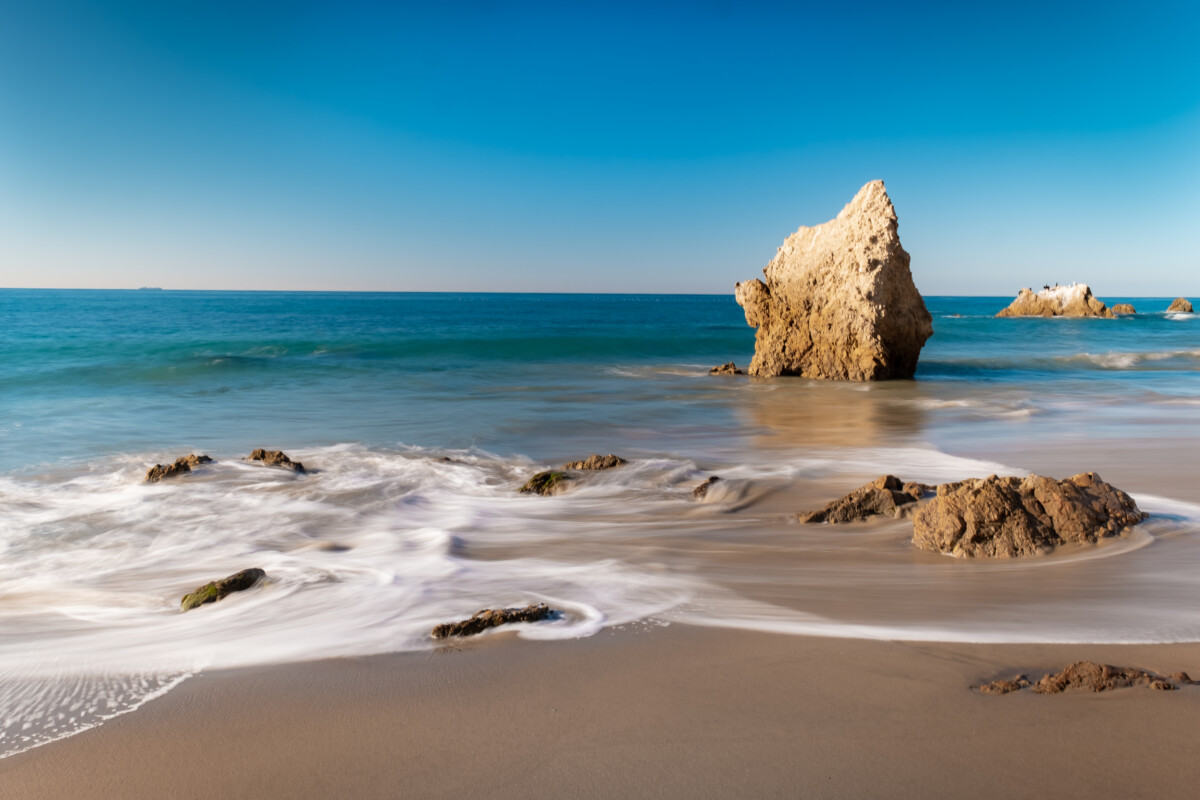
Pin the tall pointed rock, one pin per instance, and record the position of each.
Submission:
(839, 301)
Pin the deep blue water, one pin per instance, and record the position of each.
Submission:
(90, 373)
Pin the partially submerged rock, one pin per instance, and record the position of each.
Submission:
(1123, 308)
(276, 458)
(546, 483)
(1090, 676)
(885, 495)
(182, 466)
(490, 618)
(1011, 517)
(1179, 306)
(1075, 300)
(596, 461)
(212, 592)
(839, 301)
(728, 368)
(702, 490)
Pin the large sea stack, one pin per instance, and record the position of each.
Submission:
(839, 301)
(1075, 300)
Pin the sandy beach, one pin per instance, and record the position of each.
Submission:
(672, 711)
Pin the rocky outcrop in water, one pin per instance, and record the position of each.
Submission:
(839, 301)
(701, 491)
(492, 617)
(276, 458)
(997, 517)
(1180, 306)
(885, 495)
(728, 368)
(1123, 308)
(182, 466)
(596, 461)
(217, 590)
(546, 483)
(1075, 300)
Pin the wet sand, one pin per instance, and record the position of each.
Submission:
(645, 711)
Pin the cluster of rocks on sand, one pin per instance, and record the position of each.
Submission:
(1089, 676)
(185, 464)
(994, 517)
(839, 301)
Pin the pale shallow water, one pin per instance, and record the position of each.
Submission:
(387, 538)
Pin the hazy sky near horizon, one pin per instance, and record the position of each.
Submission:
(619, 147)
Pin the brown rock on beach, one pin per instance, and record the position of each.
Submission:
(728, 368)
(1094, 677)
(596, 461)
(1075, 300)
(1012, 517)
(885, 495)
(181, 466)
(839, 301)
(492, 617)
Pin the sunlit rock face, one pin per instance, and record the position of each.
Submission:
(839, 301)
(1075, 300)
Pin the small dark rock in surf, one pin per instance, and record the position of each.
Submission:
(217, 590)
(700, 491)
(490, 618)
(546, 483)
(596, 461)
(182, 466)
(276, 458)
(728, 368)
(884, 495)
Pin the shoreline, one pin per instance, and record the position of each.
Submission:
(642, 711)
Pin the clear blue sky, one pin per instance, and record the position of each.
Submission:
(626, 147)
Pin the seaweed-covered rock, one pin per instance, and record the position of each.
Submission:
(181, 466)
(276, 458)
(702, 490)
(1179, 306)
(1090, 676)
(1123, 308)
(884, 495)
(1011, 517)
(546, 483)
(216, 590)
(596, 461)
(728, 368)
(1075, 300)
(839, 302)
(490, 618)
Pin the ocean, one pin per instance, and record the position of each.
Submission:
(419, 416)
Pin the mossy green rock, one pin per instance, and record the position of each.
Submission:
(212, 592)
(548, 482)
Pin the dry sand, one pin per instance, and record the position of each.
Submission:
(643, 712)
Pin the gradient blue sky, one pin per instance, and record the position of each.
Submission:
(623, 147)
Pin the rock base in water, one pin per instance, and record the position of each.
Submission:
(276, 458)
(212, 592)
(1123, 308)
(885, 495)
(839, 301)
(546, 483)
(1180, 306)
(596, 461)
(728, 368)
(1075, 300)
(702, 490)
(1010, 517)
(182, 466)
(490, 618)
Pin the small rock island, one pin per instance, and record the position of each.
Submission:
(1075, 300)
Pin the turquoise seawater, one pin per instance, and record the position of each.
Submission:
(420, 416)
(92, 373)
